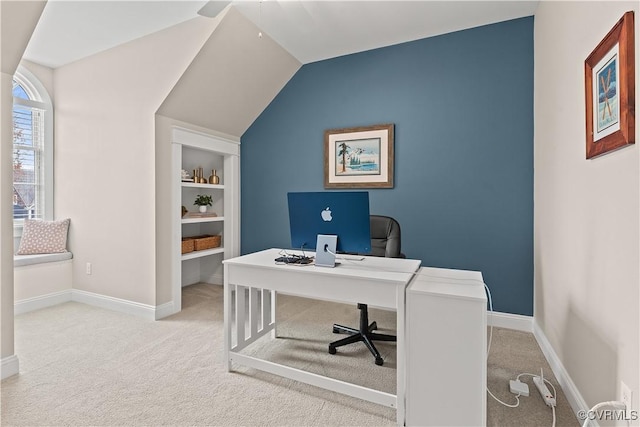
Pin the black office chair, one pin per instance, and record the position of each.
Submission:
(385, 242)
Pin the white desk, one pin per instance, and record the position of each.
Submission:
(446, 349)
(376, 281)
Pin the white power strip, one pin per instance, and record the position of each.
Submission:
(544, 391)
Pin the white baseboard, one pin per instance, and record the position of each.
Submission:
(124, 306)
(517, 322)
(36, 303)
(145, 311)
(165, 310)
(9, 366)
(569, 388)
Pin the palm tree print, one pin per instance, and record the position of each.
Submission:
(344, 150)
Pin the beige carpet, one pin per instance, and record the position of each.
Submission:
(82, 365)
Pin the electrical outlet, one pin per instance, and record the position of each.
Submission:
(88, 268)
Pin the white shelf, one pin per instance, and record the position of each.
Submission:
(199, 220)
(193, 149)
(194, 185)
(199, 254)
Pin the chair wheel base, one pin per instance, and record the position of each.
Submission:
(364, 333)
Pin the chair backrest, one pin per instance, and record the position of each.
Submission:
(385, 237)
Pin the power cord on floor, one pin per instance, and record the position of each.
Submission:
(508, 405)
(550, 402)
(504, 403)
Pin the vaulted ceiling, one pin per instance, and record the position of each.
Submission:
(308, 30)
(233, 78)
(257, 46)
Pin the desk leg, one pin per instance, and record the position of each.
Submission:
(274, 331)
(400, 354)
(227, 318)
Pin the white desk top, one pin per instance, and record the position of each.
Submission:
(372, 268)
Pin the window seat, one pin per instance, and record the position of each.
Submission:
(41, 280)
(22, 260)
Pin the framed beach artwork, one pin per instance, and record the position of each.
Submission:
(610, 90)
(360, 157)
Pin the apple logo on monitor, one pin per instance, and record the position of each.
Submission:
(326, 214)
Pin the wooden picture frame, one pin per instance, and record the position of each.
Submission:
(610, 90)
(359, 157)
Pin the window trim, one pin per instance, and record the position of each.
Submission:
(40, 99)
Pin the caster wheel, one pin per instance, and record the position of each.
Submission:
(379, 361)
(332, 350)
(336, 331)
(374, 326)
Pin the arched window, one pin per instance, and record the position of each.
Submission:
(32, 149)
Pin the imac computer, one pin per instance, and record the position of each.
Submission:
(329, 222)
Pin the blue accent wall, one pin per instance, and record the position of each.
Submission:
(462, 105)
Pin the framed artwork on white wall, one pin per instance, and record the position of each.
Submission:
(610, 90)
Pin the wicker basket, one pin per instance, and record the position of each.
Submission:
(188, 245)
(206, 242)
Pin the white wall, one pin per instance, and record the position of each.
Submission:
(6, 216)
(105, 162)
(42, 73)
(17, 21)
(587, 212)
(37, 280)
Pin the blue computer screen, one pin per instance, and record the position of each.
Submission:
(341, 213)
